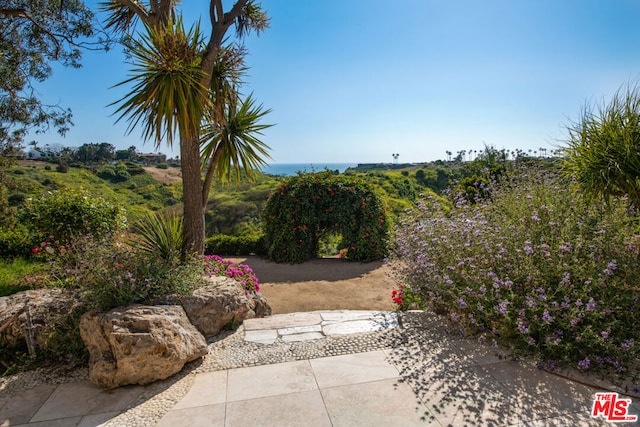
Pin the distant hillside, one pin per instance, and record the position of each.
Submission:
(128, 184)
(232, 209)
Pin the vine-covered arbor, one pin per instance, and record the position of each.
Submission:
(307, 206)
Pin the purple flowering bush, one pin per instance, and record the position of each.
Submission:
(217, 266)
(533, 265)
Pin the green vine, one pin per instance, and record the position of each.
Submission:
(307, 205)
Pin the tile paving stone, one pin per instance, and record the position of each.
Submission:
(462, 395)
(19, 410)
(200, 416)
(63, 422)
(280, 321)
(303, 337)
(351, 327)
(540, 394)
(576, 419)
(352, 369)
(269, 380)
(299, 330)
(97, 419)
(303, 409)
(84, 398)
(347, 315)
(208, 388)
(379, 403)
(266, 336)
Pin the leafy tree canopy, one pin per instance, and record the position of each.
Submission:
(33, 35)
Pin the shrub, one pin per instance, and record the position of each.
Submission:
(63, 166)
(309, 205)
(603, 149)
(160, 236)
(541, 271)
(235, 245)
(111, 275)
(16, 242)
(60, 216)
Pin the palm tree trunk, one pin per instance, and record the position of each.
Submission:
(193, 227)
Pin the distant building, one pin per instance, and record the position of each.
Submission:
(42, 154)
(152, 158)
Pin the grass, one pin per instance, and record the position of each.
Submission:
(17, 275)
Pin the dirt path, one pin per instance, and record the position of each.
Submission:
(323, 284)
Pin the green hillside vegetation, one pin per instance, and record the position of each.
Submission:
(126, 184)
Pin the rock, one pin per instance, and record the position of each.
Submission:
(220, 302)
(45, 307)
(139, 344)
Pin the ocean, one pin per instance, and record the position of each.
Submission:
(291, 169)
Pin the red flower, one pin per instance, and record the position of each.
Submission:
(35, 250)
(396, 296)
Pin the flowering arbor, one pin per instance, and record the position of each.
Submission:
(308, 205)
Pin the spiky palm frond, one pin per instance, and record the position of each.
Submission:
(226, 78)
(234, 146)
(252, 18)
(120, 19)
(167, 94)
(160, 236)
(603, 150)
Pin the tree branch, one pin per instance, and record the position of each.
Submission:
(22, 13)
(231, 16)
(216, 11)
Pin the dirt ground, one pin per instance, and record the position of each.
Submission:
(323, 284)
(164, 176)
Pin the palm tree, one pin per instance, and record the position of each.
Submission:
(232, 146)
(175, 91)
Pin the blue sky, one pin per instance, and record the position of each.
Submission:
(357, 80)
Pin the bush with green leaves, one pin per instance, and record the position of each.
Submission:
(309, 205)
(159, 235)
(109, 274)
(603, 148)
(534, 266)
(16, 242)
(235, 245)
(62, 216)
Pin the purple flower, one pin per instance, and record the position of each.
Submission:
(591, 305)
(462, 303)
(611, 267)
(523, 328)
(604, 334)
(547, 317)
(627, 344)
(584, 364)
(502, 307)
(528, 250)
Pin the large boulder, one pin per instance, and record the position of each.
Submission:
(35, 312)
(220, 302)
(139, 344)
